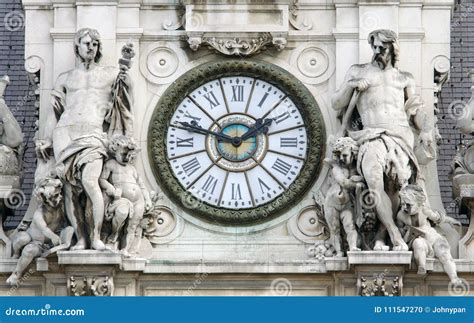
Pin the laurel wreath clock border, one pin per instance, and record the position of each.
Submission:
(204, 73)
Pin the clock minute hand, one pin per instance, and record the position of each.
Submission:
(257, 128)
(193, 126)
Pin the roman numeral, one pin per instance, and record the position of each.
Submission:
(212, 99)
(237, 93)
(210, 184)
(288, 142)
(281, 166)
(282, 117)
(189, 116)
(262, 100)
(188, 142)
(263, 185)
(191, 166)
(236, 194)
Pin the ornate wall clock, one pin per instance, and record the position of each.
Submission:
(243, 138)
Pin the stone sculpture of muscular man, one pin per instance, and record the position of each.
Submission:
(386, 104)
(85, 100)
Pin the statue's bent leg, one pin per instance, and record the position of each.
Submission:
(29, 253)
(90, 182)
(420, 251)
(443, 253)
(332, 219)
(75, 216)
(19, 240)
(374, 177)
(119, 219)
(349, 227)
(131, 230)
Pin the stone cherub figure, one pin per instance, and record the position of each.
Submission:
(387, 104)
(47, 228)
(120, 181)
(338, 204)
(90, 102)
(420, 235)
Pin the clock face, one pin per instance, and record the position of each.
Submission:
(253, 150)
(238, 143)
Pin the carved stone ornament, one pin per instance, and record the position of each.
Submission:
(234, 28)
(378, 286)
(239, 46)
(320, 250)
(295, 18)
(309, 225)
(90, 286)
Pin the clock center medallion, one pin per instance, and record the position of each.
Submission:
(239, 149)
(244, 148)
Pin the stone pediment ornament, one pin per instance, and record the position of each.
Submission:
(378, 286)
(239, 46)
(90, 285)
(230, 30)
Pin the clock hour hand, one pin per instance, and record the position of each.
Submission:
(260, 126)
(195, 127)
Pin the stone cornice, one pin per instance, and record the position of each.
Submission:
(62, 33)
(127, 33)
(346, 34)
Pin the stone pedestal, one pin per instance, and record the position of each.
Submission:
(140, 277)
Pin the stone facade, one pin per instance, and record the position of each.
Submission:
(313, 41)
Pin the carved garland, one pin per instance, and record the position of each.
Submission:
(168, 103)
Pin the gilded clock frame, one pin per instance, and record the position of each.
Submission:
(191, 80)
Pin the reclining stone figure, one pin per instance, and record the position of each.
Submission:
(46, 230)
(420, 235)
